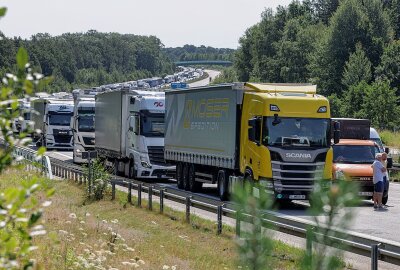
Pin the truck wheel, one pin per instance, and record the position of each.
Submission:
(179, 175)
(185, 176)
(223, 191)
(193, 185)
(131, 169)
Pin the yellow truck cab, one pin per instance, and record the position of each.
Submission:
(277, 134)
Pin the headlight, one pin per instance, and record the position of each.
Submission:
(145, 164)
(339, 175)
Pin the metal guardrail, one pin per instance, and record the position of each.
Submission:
(375, 248)
(40, 163)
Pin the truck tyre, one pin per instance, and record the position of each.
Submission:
(179, 175)
(185, 176)
(223, 179)
(193, 185)
(131, 169)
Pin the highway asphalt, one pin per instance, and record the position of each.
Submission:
(382, 224)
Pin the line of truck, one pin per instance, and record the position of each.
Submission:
(280, 135)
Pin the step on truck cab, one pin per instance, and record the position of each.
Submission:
(82, 123)
(276, 134)
(52, 116)
(354, 155)
(130, 133)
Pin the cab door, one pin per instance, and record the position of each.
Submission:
(252, 141)
(133, 132)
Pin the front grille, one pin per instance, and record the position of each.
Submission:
(156, 155)
(296, 176)
(88, 140)
(62, 138)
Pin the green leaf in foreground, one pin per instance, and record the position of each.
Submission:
(3, 11)
(22, 58)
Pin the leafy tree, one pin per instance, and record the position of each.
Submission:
(353, 23)
(357, 68)
(353, 100)
(380, 105)
(389, 68)
(324, 9)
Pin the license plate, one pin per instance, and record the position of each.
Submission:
(364, 193)
(297, 197)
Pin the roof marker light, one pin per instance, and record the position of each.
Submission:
(322, 109)
(274, 108)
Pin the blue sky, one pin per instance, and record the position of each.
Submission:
(217, 23)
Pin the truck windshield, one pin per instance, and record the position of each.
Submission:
(355, 154)
(152, 125)
(86, 122)
(296, 132)
(58, 119)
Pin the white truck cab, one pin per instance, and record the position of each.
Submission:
(130, 133)
(53, 118)
(82, 126)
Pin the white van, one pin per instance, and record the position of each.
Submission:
(374, 136)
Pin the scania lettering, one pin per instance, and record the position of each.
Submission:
(276, 134)
(53, 117)
(130, 133)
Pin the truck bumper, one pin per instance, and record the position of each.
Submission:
(282, 190)
(156, 172)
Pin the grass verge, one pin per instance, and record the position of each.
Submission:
(116, 235)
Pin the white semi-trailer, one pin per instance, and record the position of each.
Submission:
(82, 124)
(130, 133)
(53, 118)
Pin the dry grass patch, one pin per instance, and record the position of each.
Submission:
(114, 235)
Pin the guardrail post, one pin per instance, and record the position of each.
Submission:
(238, 220)
(112, 190)
(161, 201)
(188, 202)
(219, 219)
(309, 240)
(374, 256)
(139, 198)
(150, 198)
(130, 193)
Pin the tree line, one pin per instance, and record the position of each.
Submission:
(88, 59)
(193, 53)
(349, 48)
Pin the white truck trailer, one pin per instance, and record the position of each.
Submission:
(82, 124)
(130, 133)
(53, 118)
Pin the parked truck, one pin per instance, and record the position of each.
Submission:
(354, 155)
(130, 133)
(274, 134)
(82, 124)
(53, 117)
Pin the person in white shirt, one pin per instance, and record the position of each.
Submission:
(379, 173)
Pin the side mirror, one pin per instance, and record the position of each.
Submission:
(387, 150)
(389, 162)
(277, 120)
(336, 132)
(336, 136)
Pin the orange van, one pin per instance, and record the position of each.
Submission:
(352, 160)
